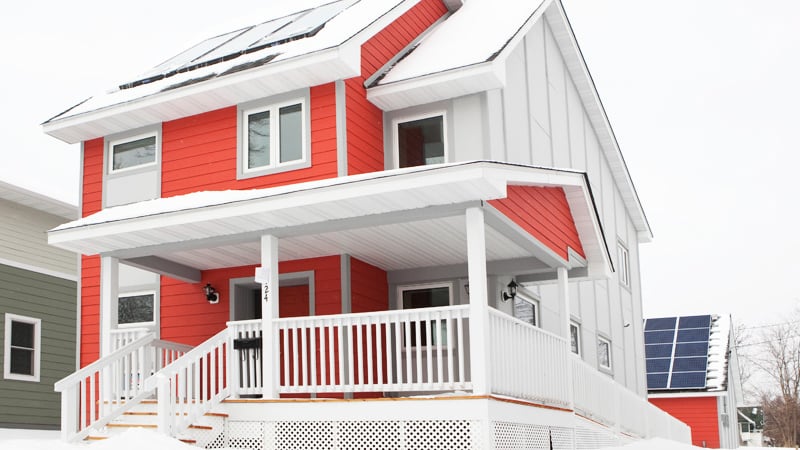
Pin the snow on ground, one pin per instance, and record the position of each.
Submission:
(136, 439)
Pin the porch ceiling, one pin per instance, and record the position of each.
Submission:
(401, 219)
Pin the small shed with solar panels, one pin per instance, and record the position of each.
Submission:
(691, 374)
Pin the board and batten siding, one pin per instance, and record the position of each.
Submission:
(23, 241)
(51, 299)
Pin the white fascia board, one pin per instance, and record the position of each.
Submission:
(37, 201)
(687, 394)
(590, 232)
(579, 72)
(438, 86)
(273, 78)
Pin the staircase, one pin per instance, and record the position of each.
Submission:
(207, 431)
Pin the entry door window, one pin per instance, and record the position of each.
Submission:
(427, 296)
(137, 309)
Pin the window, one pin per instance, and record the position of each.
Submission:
(273, 137)
(420, 142)
(604, 353)
(426, 296)
(136, 309)
(575, 338)
(22, 348)
(624, 265)
(526, 309)
(134, 152)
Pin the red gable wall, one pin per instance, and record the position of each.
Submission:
(544, 213)
(700, 413)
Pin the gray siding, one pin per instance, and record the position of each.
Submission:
(23, 240)
(53, 300)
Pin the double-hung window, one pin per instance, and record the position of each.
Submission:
(273, 138)
(133, 152)
(426, 296)
(22, 348)
(420, 141)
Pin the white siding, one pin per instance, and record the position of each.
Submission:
(23, 241)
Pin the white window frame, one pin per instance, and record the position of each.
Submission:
(533, 300)
(124, 140)
(151, 323)
(577, 326)
(275, 165)
(624, 261)
(427, 115)
(607, 342)
(414, 287)
(37, 349)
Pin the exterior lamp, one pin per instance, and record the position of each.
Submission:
(511, 292)
(211, 294)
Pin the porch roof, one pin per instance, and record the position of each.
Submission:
(398, 219)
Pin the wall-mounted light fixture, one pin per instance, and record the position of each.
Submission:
(211, 294)
(511, 292)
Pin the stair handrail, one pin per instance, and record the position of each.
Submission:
(199, 371)
(103, 390)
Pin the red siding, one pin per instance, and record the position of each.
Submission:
(199, 152)
(544, 213)
(700, 413)
(90, 309)
(365, 120)
(369, 291)
(92, 200)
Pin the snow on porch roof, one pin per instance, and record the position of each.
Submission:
(354, 200)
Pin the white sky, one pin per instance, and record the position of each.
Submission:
(701, 95)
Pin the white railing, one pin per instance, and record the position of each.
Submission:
(246, 360)
(414, 350)
(527, 362)
(594, 393)
(106, 388)
(189, 387)
(124, 336)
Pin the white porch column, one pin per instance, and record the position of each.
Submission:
(478, 302)
(269, 311)
(563, 301)
(109, 291)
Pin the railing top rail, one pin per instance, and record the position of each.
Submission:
(243, 322)
(386, 313)
(128, 330)
(191, 355)
(501, 315)
(160, 343)
(61, 384)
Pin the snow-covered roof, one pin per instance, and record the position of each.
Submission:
(22, 196)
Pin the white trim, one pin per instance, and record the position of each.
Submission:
(274, 136)
(624, 262)
(604, 340)
(420, 286)
(37, 348)
(152, 323)
(127, 139)
(687, 394)
(411, 118)
(52, 273)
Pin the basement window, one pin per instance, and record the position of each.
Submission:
(22, 348)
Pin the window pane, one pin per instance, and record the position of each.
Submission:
(603, 353)
(524, 311)
(22, 334)
(421, 142)
(291, 133)
(258, 140)
(427, 298)
(134, 153)
(21, 361)
(573, 339)
(135, 309)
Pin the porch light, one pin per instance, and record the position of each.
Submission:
(211, 294)
(512, 291)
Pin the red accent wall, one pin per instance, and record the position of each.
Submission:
(544, 213)
(92, 200)
(369, 291)
(199, 152)
(90, 309)
(700, 413)
(365, 148)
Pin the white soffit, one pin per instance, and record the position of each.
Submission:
(22, 196)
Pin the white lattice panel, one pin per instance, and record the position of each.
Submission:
(439, 434)
(513, 436)
(246, 435)
(369, 435)
(562, 438)
(593, 439)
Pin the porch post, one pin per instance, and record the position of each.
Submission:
(563, 301)
(269, 311)
(109, 291)
(478, 302)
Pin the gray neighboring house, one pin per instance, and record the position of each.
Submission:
(38, 304)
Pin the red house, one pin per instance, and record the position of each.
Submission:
(367, 224)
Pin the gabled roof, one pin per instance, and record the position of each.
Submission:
(25, 197)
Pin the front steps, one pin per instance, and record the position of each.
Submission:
(209, 429)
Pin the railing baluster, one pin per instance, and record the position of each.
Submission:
(341, 354)
(379, 357)
(359, 349)
(370, 356)
(313, 353)
(323, 362)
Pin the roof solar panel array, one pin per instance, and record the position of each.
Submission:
(676, 352)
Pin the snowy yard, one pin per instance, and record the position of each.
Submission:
(136, 439)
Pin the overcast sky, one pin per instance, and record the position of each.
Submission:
(702, 96)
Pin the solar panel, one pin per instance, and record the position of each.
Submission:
(658, 365)
(676, 352)
(657, 380)
(692, 349)
(659, 337)
(694, 322)
(665, 323)
(693, 335)
(688, 380)
(691, 364)
(658, 351)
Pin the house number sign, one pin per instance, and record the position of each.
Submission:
(262, 276)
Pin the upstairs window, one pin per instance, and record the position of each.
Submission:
(604, 353)
(420, 142)
(22, 348)
(273, 138)
(132, 153)
(575, 338)
(624, 265)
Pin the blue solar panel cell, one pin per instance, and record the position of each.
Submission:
(657, 365)
(657, 380)
(688, 380)
(691, 364)
(659, 337)
(693, 335)
(658, 351)
(695, 322)
(692, 349)
(664, 323)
